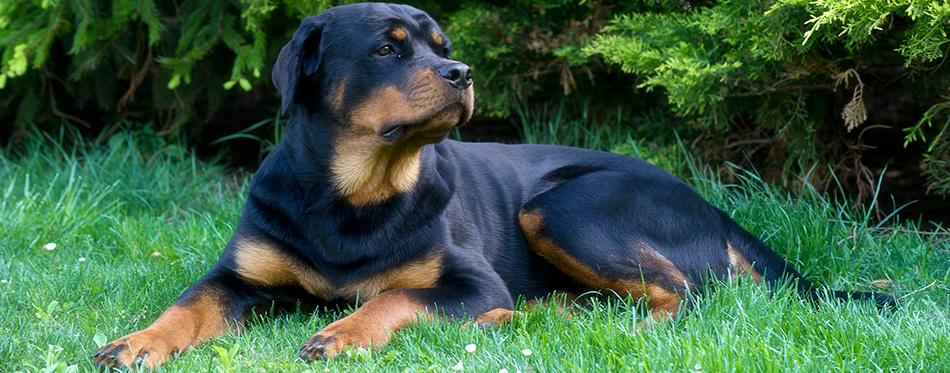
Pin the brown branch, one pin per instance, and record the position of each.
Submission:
(918, 290)
(137, 79)
(751, 142)
(52, 99)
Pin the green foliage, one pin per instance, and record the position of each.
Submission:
(783, 69)
(527, 50)
(227, 358)
(792, 78)
(53, 365)
(937, 163)
(139, 59)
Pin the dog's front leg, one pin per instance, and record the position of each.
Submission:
(371, 324)
(374, 322)
(204, 311)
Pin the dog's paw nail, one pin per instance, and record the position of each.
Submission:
(307, 353)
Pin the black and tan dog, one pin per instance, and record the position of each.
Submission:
(365, 201)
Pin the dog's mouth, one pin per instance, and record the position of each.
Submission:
(432, 129)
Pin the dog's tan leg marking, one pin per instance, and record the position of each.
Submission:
(177, 329)
(370, 326)
(664, 302)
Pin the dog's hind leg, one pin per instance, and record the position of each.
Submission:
(606, 269)
(649, 238)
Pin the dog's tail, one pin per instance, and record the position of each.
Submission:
(775, 269)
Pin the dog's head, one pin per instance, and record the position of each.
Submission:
(382, 77)
(385, 68)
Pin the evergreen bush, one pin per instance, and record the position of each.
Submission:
(94, 63)
(794, 74)
(790, 84)
(528, 50)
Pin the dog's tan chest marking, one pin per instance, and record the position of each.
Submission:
(265, 266)
(422, 273)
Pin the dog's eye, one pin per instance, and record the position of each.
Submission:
(385, 50)
(446, 53)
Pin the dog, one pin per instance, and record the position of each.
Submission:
(366, 202)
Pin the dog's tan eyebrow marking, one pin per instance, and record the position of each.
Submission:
(399, 33)
(436, 37)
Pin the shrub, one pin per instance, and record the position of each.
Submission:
(95, 63)
(792, 74)
(787, 84)
(526, 49)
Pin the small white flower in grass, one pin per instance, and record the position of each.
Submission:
(50, 246)
(83, 259)
(503, 370)
(458, 366)
(156, 254)
(3, 281)
(471, 348)
(526, 352)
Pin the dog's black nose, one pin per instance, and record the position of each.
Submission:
(458, 74)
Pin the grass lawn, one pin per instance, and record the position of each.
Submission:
(134, 224)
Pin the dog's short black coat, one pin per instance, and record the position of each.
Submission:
(365, 201)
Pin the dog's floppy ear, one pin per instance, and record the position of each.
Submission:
(299, 58)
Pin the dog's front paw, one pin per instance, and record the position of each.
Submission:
(325, 345)
(335, 338)
(141, 349)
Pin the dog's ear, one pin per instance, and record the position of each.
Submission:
(299, 58)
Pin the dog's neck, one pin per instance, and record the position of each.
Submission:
(359, 174)
(368, 176)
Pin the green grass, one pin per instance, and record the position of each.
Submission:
(135, 223)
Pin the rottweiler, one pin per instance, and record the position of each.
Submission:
(366, 202)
